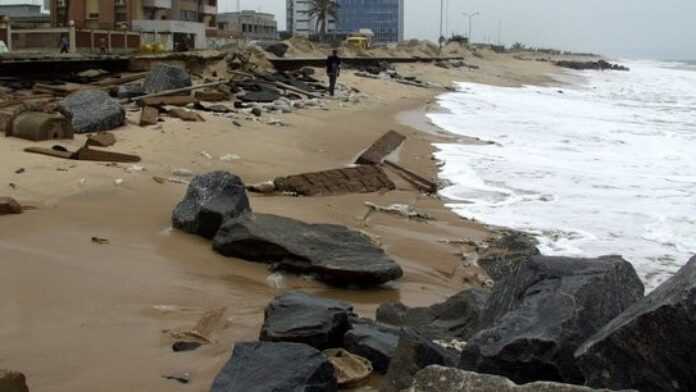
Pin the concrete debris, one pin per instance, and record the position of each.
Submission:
(361, 179)
(166, 77)
(384, 146)
(149, 116)
(403, 210)
(92, 111)
(38, 126)
(186, 115)
(202, 331)
(101, 139)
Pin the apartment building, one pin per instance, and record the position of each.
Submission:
(384, 17)
(248, 24)
(172, 23)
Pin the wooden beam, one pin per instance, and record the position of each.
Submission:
(384, 146)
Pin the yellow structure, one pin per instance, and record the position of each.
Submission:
(358, 41)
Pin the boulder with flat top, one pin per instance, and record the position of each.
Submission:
(303, 318)
(652, 345)
(375, 341)
(266, 366)
(543, 311)
(335, 254)
(210, 200)
(164, 77)
(92, 111)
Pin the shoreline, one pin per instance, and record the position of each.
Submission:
(74, 301)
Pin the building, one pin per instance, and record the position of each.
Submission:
(21, 10)
(172, 23)
(300, 23)
(248, 24)
(385, 18)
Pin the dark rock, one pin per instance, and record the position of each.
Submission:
(164, 77)
(374, 341)
(600, 65)
(265, 366)
(265, 95)
(130, 91)
(256, 112)
(338, 255)
(92, 111)
(444, 379)
(185, 346)
(538, 316)
(652, 345)
(505, 252)
(414, 352)
(277, 48)
(12, 381)
(302, 318)
(458, 317)
(210, 200)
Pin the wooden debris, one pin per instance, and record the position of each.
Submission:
(403, 210)
(9, 206)
(175, 91)
(176, 100)
(149, 116)
(384, 146)
(418, 181)
(361, 179)
(84, 154)
(101, 139)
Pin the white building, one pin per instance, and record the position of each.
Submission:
(299, 21)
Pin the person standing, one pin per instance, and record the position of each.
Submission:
(64, 45)
(333, 69)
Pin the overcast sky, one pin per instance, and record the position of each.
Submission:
(658, 29)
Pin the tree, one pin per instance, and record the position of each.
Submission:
(323, 11)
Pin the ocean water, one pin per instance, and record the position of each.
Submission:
(607, 166)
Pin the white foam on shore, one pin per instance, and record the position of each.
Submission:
(608, 167)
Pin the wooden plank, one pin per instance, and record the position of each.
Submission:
(175, 91)
(384, 146)
(338, 181)
(172, 100)
(415, 179)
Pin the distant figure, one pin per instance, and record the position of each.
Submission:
(64, 45)
(333, 69)
(102, 45)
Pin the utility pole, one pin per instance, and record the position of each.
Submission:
(471, 16)
(239, 6)
(500, 32)
(441, 38)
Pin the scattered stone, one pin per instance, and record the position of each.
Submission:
(186, 115)
(651, 346)
(505, 252)
(458, 317)
(185, 346)
(13, 381)
(164, 77)
(375, 341)
(92, 111)
(100, 241)
(101, 139)
(230, 157)
(301, 318)
(414, 352)
(445, 379)
(149, 116)
(338, 255)
(540, 314)
(256, 112)
(183, 173)
(600, 65)
(9, 206)
(265, 366)
(210, 200)
(351, 370)
(130, 91)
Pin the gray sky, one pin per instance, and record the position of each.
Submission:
(659, 29)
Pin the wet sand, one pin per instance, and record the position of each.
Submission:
(82, 316)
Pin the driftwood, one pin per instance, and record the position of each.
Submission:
(174, 91)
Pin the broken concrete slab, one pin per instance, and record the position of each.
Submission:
(302, 318)
(361, 179)
(384, 146)
(210, 200)
(166, 77)
(38, 126)
(84, 154)
(149, 116)
(101, 139)
(9, 206)
(92, 111)
(336, 254)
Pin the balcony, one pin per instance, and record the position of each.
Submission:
(162, 4)
(206, 9)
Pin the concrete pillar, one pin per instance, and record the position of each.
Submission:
(73, 37)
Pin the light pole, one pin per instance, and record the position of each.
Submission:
(471, 16)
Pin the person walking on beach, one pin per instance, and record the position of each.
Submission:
(333, 69)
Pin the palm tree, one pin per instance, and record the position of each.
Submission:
(323, 11)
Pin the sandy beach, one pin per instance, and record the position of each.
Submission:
(83, 316)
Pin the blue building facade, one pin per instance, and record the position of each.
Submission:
(384, 17)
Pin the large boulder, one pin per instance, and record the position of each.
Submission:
(163, 77)
(92, 111)
(375, 341)
(652, 345)
(505, 251)
(210, 200)
(265, 366)
(443, 379)
(11, 381)
(302, 318)
(414, 352)
(337, 255)
(458, 317)
(540, 314)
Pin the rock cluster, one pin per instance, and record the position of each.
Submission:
(600, 65)
(163, 77)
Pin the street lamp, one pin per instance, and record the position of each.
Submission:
(471, 16)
